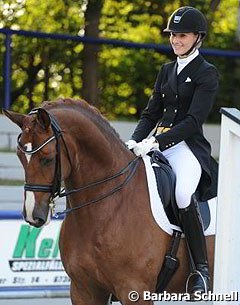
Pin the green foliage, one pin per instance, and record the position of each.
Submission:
(44, 69)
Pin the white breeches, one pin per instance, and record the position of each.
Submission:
(187, 170)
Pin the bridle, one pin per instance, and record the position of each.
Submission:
(56, 189)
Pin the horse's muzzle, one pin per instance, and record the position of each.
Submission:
(38, 222)
(40, 215)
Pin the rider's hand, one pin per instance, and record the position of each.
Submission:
(144, 147)
(131, 144)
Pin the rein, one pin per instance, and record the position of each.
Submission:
(55, 189)
(82, 188)
(131, 167)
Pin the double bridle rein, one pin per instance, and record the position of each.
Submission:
(56, 189)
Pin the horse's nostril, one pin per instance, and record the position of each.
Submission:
(38, 222)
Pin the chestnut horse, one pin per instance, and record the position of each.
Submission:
(109, 241)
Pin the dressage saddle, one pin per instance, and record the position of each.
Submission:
(166, 182)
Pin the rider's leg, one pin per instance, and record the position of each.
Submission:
(188, 173)
(193, 230)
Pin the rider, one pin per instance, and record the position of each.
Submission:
(183, 95)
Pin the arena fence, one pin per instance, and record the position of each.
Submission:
(227, 248)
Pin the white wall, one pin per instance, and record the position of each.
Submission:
(227, 246)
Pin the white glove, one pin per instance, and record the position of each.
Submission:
(144, 147)
(131, 144)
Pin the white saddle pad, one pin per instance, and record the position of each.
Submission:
(157, 207)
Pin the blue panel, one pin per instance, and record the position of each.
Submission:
(9, 214)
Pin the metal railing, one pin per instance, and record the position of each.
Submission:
(161, 48)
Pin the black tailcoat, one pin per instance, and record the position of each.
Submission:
(182, 102)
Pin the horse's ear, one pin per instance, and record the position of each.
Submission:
(43, 118)
(16, 118)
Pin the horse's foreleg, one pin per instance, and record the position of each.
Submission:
(82, 295)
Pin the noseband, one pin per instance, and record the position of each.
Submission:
(55, 189)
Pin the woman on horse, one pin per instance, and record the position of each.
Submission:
(183, 95)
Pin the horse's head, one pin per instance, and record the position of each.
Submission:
(82, 153)
(39, 152)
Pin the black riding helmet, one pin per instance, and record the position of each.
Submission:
(187, 19)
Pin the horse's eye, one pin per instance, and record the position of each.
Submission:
(46, 161)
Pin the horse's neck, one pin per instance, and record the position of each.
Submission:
(96, 158)
(95, 151)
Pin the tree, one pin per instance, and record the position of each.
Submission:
(43, 68)
(90, 52)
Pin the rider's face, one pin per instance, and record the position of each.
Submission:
(182, 42)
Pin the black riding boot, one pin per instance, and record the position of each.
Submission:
(193, 230)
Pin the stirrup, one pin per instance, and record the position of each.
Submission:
(196, 272)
